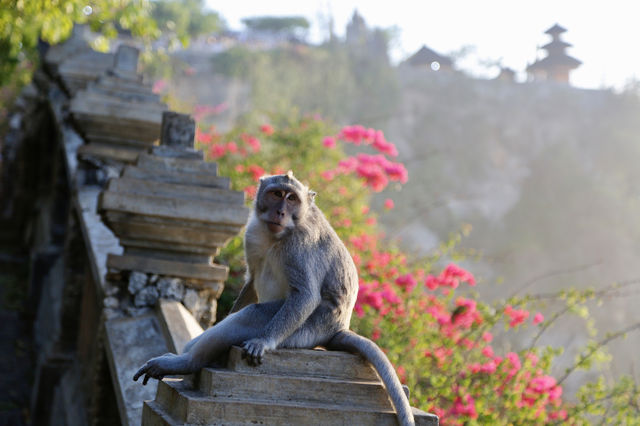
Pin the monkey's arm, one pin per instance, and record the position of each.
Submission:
(246, 297)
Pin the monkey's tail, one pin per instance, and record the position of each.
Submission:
(347, 340)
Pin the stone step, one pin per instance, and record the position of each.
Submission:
(154, 415)
(160, 221)
(101, 108)
(185, 192)
(164, 164)
(131, 89)
(183, 231)
(181, 239)
(222, 383)
(214, 273)
(197, 211)
(99, 136)
(117, 153)
(185, 405)
(174, 176)
(147, 131)
(305, 362)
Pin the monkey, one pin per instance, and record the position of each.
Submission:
(300, 288)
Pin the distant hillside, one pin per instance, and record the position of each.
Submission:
(546, 175)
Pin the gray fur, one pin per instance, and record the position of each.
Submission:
(300, 289)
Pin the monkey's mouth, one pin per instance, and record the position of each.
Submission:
(275, 227)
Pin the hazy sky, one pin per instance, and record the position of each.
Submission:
(604, 34)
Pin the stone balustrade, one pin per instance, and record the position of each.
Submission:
(123, 267)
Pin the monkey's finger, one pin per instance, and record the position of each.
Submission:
(257, 356)
(251, 354)
(139, 373)
(146, 379)
(247, 350)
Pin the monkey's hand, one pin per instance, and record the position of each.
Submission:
(155, 368)
(254, 349)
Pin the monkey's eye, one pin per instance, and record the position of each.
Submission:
(275, 196)
(293, 198)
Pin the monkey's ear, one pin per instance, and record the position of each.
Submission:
(312, 195)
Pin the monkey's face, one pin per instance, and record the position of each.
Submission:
(279, 209)
(282, 202)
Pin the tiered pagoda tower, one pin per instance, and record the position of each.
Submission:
(557, 64)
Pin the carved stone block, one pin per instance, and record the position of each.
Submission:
(118, 115)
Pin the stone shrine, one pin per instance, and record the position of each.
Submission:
(118, 114)
(172, 213)
(74, 63)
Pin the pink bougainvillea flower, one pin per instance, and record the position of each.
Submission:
(217, 151)
(266, 129)
(402, 374)
(465, 406)
(329, 142)
(407, 282)
(254, 143)
(250, 191)
(328, 175)
(203, 137)
(558, 415)
(232, 147)
(488, 351)
(376, 334)
(381, 144)
(451, 277)
(159, 86)
(389, 204)
(538, 318)
(256, 171)
(517, 316)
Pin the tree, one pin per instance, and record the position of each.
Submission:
(186, 18)
(24, 22)
(288, 27)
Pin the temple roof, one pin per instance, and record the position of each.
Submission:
(556, 44)
(426, 56)
(556, 29)
(554, 61)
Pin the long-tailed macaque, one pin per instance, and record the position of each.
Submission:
(301, 287)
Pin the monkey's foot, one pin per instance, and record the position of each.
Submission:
(254, 349)
(157, 368)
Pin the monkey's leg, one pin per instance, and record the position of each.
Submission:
(245, 324)
(319, 328)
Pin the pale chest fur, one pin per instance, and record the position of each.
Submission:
(265, 266)
(269, 280)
